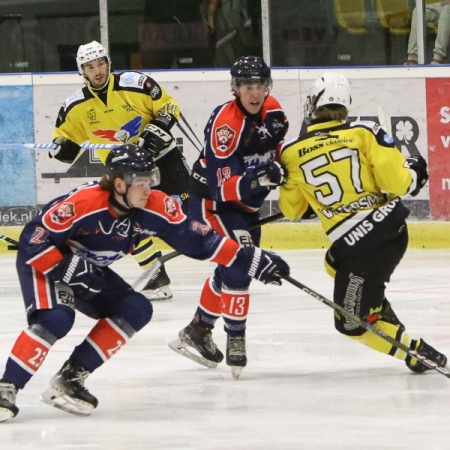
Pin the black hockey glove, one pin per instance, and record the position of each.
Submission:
(419, 165)
(154, 138)
(85, 279)
(67, 150)
(266, 176)
(260, 264)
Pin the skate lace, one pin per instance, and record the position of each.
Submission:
(8, 392)
(79, 378)
(209, 344)
(236, 346)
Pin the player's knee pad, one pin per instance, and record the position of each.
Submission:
(136, 310)
(57, 321)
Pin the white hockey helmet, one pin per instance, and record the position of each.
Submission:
(329, 89)
(90, 52)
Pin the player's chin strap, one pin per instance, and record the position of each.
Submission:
(117, 205)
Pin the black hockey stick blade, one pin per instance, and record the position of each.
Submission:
(13, 247)
(369, 327)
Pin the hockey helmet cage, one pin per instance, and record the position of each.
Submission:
(329, 89)
(131, 161)
(90, 52)
(250, 69)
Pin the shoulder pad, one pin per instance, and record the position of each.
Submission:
(132, 79)
(74, 98)
(370, 125)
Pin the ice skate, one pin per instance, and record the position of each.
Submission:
(422, 348)
(158, 288)
(200, 340)
(8, 408)
(67, 391)
(236, 354)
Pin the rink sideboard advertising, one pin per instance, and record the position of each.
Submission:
(415, 102)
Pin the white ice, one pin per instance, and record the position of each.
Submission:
(305, 386)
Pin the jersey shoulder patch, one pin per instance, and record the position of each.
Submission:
(81, 202)
(134, 80)
(165, 206)
(75, 98)
(368, 124)
(226, 129)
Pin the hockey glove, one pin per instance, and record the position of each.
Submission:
(155, 139)
(67, 150)
(419, 166)
(266, 176)
(85, 279)
(260, 264)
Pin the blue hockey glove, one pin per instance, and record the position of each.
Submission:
(262, 265)
(266, 176)
(85, 279)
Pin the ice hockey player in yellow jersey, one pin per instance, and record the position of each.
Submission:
(353, 177)
(124, 108)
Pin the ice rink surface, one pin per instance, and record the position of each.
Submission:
(305, 386)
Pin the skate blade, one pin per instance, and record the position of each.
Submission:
(236, 371)
(58, 400)
(158, 295)
(181, 348)
(5, 414)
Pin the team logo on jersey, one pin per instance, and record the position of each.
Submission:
(199, 227)
(126, 132)
(63, 213)
(92, 116)
(171, 206)
(224, 138)
(263, 131)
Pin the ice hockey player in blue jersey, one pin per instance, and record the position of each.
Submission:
(64, 262)
(230, 181)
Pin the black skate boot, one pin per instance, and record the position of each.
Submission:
(201, 340)
(236, 354)
(422, 348)
(67, 391)
(158, 288)
(8, 408)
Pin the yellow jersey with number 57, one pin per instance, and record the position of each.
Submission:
(343, 171)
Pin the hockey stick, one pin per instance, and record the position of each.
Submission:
(190, 129)
(14, 244)
(369, 327)
(145, 276)
(191, 141)
(54, 146)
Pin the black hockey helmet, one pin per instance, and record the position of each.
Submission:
(131, 161)
(250, 69)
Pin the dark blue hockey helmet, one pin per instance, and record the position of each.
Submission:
(250, 69)
(131, 161)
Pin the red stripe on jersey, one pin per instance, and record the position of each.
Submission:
(226, 252)
(47, 260)
(230, 189)
(29, 351)
(212, 219)
(41, 293)
(107, 338)
(210, 299)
